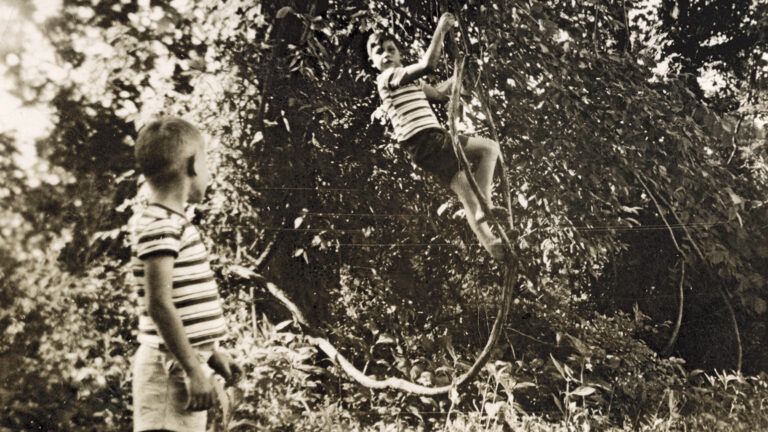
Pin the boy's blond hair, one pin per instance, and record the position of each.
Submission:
(165, 149)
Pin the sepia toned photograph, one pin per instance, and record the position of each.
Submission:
(383, 215)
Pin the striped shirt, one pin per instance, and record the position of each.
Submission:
(159, 230)
(406, 106)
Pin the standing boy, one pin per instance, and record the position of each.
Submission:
(405, 101)
(180, 314)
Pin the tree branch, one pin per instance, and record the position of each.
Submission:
(673, 338)
(317, 339)
(721, 290)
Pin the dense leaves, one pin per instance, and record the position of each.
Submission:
(620, 173)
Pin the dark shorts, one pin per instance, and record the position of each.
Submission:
(432, 151)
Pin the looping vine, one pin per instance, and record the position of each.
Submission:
(509, 276)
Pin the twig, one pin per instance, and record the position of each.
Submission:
(695, 245)
(734, 139)
(253, 309)
(720, 288)
(261, 261)
(661, 213)
(628, 46)
(594, 30)
(533, 338)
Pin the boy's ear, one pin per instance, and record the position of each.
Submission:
(191, 166)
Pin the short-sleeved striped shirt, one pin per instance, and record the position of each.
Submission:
(406, 106)
(159, 230)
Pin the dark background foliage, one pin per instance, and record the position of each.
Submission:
(631, 184)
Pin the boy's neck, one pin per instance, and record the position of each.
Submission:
(390, 66)
(173, 198)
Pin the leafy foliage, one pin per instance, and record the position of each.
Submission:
(66, 348)
(620, 175)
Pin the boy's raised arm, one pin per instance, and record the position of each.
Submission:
(431, 58)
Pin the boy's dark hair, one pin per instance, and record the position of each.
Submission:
(378, 38)
(165, 148)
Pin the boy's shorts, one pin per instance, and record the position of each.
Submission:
(432, 150)
(160, 391)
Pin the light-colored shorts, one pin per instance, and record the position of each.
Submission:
(160, 391)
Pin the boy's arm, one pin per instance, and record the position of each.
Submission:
(441, 92)
(159, 285)
(445, 87)
(430, 59)
(434, 94)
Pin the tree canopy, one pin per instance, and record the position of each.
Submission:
(634, 135)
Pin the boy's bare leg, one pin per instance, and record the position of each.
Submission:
(487, 151)
(460, 185)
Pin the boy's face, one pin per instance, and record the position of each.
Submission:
(385, 55)
(199, 182)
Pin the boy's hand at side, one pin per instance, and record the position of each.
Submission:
(200, 390)
(223, 365)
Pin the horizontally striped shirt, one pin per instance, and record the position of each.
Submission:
(406, 106)
(159, 230)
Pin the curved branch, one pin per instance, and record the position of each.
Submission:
(397, 383)
(734, 324)
(720, 289)
(682, 225)
(485, 105)
(661, 213)
(676, 330)
(458, 72)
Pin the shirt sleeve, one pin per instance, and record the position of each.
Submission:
(160, 237)
(390, 78)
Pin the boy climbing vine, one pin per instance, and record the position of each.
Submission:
(405, 100)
